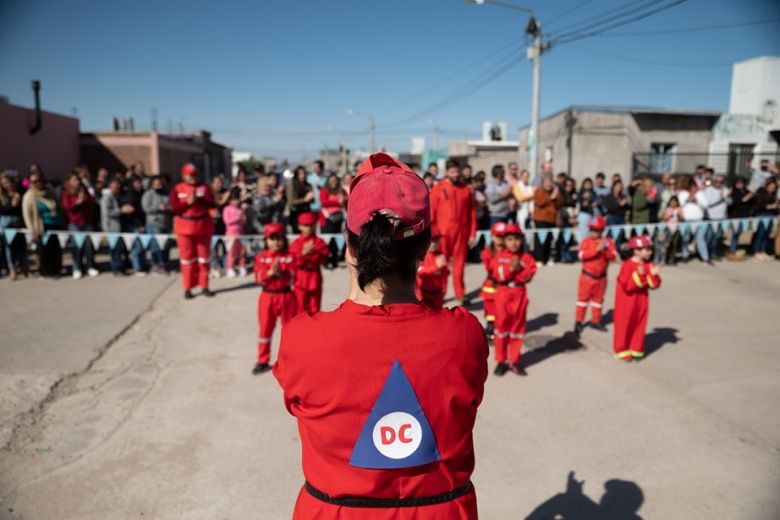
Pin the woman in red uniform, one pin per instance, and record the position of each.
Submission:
(311, 252)
(432, 276)
(274, 270)
(191, 202)
(632, 302)
(488, 292)
(596, 252)
(385, 390)
(513, 268)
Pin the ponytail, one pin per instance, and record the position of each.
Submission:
(379, 255)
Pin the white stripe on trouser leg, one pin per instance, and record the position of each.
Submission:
(597, 305)
(264, 340)
(203, 260)
(582, 304)
(189, 261)
(515, 336)
(501, 335)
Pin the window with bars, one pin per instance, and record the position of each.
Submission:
(662, 157)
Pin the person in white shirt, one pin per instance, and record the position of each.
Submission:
(524, 195)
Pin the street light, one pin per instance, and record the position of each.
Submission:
(534, 53)
(371, 126)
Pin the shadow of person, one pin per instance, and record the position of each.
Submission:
(247, 285)
(621, 501)
(544, 320)
(658, 338)
(555, 345)
(607, 318)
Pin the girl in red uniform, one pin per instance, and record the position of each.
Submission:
(311, 253)
(596, 252)
(385, 390)
(274, 270)
(191, 202)
(513, 268)
(488, 292)
(432, 276)
(637, 277)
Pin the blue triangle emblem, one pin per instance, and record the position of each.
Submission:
(397, 433)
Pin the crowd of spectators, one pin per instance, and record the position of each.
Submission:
(137, 202)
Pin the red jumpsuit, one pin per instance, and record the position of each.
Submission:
(453, 214)
(432, 281)
(276, 300)
(308, 276)
(632, 304)
(488, 292)
(593, 279)
(511, 303)
(193, 226)
(340, 399)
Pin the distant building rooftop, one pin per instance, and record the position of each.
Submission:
(630, 109)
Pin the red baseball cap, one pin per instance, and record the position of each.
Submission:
(512, 229)
(498, 229)
(597, 223)
(189, 169)
(307, 219)
(388, 186)
(640, 241)
(274, 228)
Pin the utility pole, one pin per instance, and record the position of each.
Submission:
(535, 53)
(372, 130)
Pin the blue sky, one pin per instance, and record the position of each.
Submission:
(277, 77)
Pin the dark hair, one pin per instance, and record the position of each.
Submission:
(497, 171)
(235, 193)
(378, 255)
(600, 175)
(452, 163)
(320, 164)
(433, 164)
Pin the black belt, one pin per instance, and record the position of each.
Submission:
(595, 277)
(388, 502)
(277, 291)
(201, 217)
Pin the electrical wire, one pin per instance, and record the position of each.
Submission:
(564, 14)
(694, 29)
(606, 16)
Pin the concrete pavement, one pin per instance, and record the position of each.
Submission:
(167, 422)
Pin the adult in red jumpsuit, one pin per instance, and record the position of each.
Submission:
(455, 218)
(432, 277)
(274, 270)
(513, 268)
(191, 202)
(596, 252)
(488, 292)
(637, 277)
(385, 390)
(311, 253)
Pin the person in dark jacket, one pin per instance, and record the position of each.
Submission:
(134, 222)
(740, 205)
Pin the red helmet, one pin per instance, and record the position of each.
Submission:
(189, 169)
(498, 229)
(307, 219)
(513, 229)
(274, 228)
(640, 241)
(597, 223)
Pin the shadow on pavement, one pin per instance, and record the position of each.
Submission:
(247, 285)
(658, 338)
(544, 320)
(607, 318)
(550, 346)
(621, 501)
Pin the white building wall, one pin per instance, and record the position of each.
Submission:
(754, 83)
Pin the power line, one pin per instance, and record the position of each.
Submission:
(564, 14)
(596, 32)
(606, 16)
(694, 29)
(632, 59)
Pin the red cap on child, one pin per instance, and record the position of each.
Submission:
(639, 241)
(274, 228)
(512, 229)
(498, 229)
(597, 223)
(388, 186)
(307, 219)
(189, 169)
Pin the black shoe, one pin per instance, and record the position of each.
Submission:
(188, 295)
(260, 368)
(207, 293)
(518, 369)
(489, 330)
(578, 326)
(501, 369)
(599, 327)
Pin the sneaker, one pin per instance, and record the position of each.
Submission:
(93, 272)
(489, 330)
(231, 273)
(188, 295)
(215, 273)
(501, 369)
(140, 274)
(260, 368)
(76, 275)
(598, 326)
(207, 292)
(242, 272)
(578, 326)
(518, 369)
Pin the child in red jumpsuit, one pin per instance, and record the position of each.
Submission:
(637, 277)
(488, 292)
(311, 253)
(513, 268)
(596, 252)
(432, 276)
(274, 270)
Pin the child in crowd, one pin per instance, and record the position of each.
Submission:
(513, 268)
(596, 252)
(311, 253)
(637, 277)
(274, 270)
(234, 217)
(432, 276)
(488, 292)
